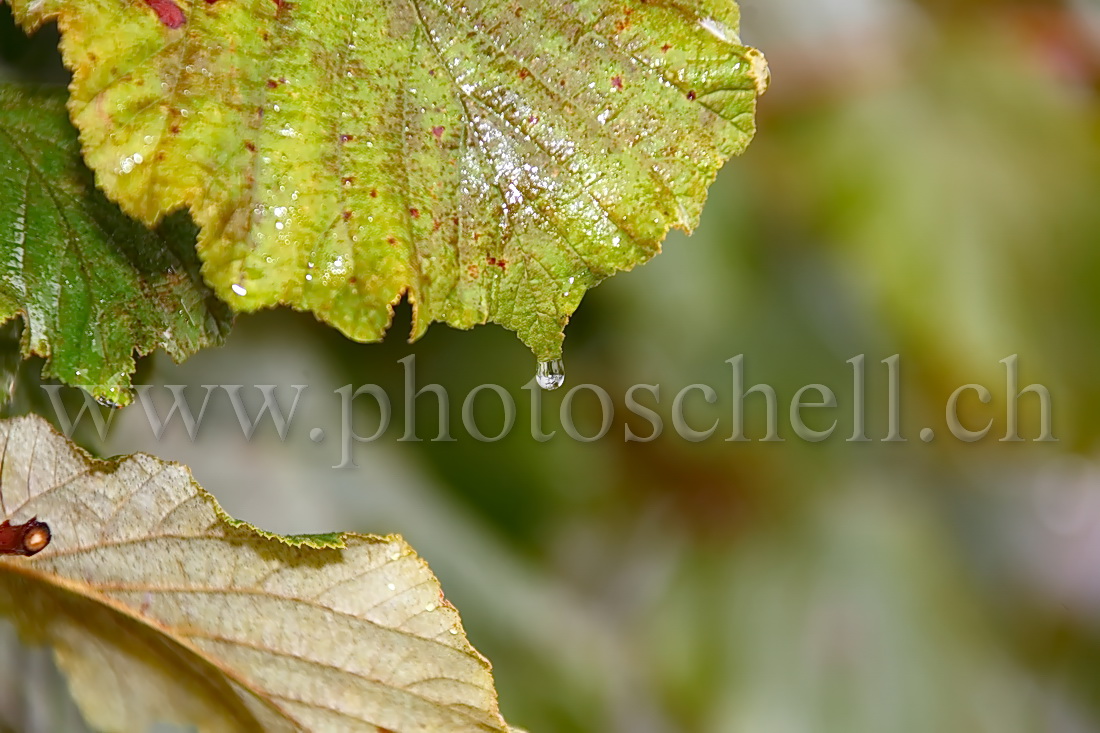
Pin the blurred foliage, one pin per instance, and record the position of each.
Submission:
(923, 183)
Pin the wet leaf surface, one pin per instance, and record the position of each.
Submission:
(491, 161)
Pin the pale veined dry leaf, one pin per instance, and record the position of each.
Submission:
(161, 607)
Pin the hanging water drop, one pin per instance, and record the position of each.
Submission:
(550, 374)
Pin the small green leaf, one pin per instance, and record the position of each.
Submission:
(490, 161)
(160, 608)
(93, 286)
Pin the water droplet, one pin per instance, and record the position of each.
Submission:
(550, 374)
(718, 29)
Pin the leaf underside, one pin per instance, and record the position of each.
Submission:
(92, 286)
(490, 160)
(161, 608)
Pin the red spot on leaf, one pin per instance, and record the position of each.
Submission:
(271, 83)
(250, 145)
(346, 138)
(415, 213)
(373, 193)
(391, 240)
(168, 12)
(438, 132)
(666, 47)
(617, 82)
(691, 95)
(347, 215)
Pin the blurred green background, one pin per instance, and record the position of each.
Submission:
(925, 182)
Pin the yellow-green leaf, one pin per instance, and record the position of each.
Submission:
(161, 608)
(490, 160)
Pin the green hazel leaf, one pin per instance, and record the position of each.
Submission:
(159, 607)
(92, 285)
(489, 160)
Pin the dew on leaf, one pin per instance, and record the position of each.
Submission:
(550, 374)
(543, 172)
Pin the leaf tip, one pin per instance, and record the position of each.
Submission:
(759, 71)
